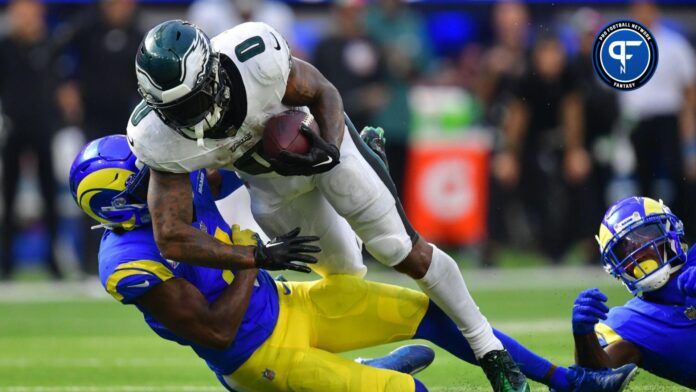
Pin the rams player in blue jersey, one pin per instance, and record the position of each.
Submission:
(642, 244)
(257, 334)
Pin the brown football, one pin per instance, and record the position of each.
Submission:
(282, 133)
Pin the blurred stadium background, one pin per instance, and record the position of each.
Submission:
(504, 145)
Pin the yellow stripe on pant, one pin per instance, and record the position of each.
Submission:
(319, 318)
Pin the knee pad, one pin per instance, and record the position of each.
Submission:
(386, 238)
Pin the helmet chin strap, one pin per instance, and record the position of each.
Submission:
(198, 129)
(207, 123)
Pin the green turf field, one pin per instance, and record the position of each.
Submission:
(60, 339)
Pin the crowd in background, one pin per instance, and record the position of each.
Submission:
(564, 145)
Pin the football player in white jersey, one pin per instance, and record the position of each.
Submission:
(205, 103)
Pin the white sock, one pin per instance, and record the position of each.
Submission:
(445, 286)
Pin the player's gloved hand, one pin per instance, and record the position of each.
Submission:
(282, 252)
(687, 282)
(588, 309)
(322, 157)
(244, 237)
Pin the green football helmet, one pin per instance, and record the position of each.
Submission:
(180, 78)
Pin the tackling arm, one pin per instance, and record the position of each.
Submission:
(180, 307)
(171, 208)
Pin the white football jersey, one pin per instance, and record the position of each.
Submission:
(263, 59)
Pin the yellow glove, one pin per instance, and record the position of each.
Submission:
(244, 237)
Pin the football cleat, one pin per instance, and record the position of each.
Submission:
(503, 373)
(374, 138)
(409, 359)
(605, 380)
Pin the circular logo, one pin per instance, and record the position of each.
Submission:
(625, 55)
(447, 187)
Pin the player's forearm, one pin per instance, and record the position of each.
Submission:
(227, 312)
(328, 112)
(171, 208)
(183, 309)
(589, 353)
(308, 87)
(198, 248)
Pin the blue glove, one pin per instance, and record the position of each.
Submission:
(588, 309)
(687, 282)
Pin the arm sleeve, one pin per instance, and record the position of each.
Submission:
(132, 279)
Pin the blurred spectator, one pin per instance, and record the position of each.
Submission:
(600, 113)
(403, 39)
(103, 43)
(544, 114)
(504, 62)
(354, 64)
(216, 16)
(101, 90)
(664, 134)
(27, 86)
(502, 65)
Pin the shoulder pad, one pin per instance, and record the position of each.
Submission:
(260, 49)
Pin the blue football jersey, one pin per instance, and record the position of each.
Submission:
(130, 265)
(665, 334)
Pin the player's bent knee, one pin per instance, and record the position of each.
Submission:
(385, 237)
(389, 249)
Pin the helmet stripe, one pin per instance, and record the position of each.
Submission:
(604, 236)
(652, 207)
(105, 179)
(141, 71)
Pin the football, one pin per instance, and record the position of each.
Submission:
(282, 133)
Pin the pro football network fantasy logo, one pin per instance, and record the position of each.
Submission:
(625, 55)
